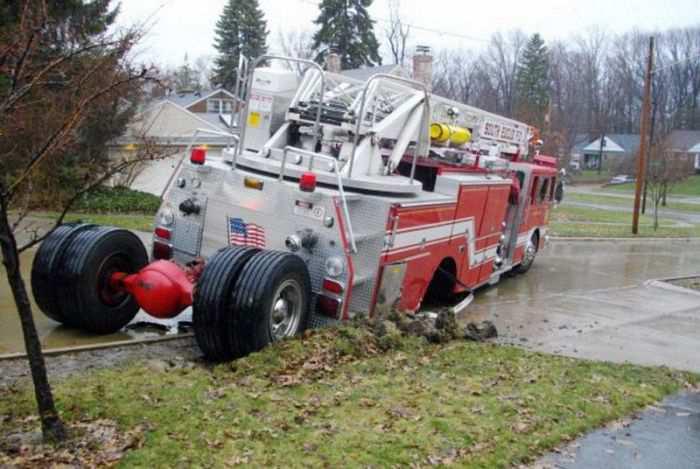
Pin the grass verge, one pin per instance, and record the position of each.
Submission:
(588, 176)
(689, 187)
(568, 221)
(137, 222)
(333, 399)
(629, 202)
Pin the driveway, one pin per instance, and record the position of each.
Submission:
(593, 300)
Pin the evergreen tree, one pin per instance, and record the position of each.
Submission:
(346, 28)
(241, 30)
(532, 82)
(187, 78)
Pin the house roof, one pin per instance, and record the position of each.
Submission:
(170, 124)
(193, 97)
(580, 142)
(684, 140)
(615, 143)
(365, 73)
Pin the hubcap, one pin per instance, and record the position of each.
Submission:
(105, 290)
(286, 310)
(530, 251)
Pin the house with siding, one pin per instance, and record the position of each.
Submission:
(686, 144)
(170, 123)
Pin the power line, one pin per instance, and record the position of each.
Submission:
(416, 27)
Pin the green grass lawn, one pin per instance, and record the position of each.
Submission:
(590, 176)
(628, 202)
(333, 400)
(571, 221)
(137, 222)
(689, 187)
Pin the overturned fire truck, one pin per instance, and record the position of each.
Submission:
(339, 197)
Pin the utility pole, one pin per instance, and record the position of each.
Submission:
(651, 145)
(600, 153)
(643, 138)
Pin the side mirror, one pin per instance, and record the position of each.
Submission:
(559, 192)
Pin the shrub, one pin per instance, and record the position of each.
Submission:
(118, 200)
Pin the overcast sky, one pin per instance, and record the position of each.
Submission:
(187, 26)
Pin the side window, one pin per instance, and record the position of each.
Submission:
(543, 190)
(533, 189)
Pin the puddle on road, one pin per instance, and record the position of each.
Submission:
(52, 334)
(562, 267)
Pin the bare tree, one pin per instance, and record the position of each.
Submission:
(397, 33)
(44, 102)
(297, 44)
(666, 168)
(500, 62)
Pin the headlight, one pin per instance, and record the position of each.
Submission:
(166, 216)
(335, 266)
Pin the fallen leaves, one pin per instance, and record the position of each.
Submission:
(98, 443)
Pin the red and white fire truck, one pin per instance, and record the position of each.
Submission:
(340, 197)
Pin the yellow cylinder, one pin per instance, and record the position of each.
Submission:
(439, 132)
(459, 135)
(443, 133)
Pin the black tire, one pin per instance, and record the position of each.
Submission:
(527, 262)
(441, 287)
(44, 270)
(83, 295)
(213, 301)
(255, 294)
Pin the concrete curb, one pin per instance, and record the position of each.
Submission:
(93, 347)
(630, 239)
(664, 284)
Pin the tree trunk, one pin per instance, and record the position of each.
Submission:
(656, 213)
(665, 191)
(51, 424)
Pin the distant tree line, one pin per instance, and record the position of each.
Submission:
(592, 83)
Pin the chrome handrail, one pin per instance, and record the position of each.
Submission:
(363, 102)
(341, 189)
(243, 123)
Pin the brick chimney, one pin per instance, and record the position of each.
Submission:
(423, 65)
(333, 63)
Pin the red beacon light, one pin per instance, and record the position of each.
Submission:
(307, 182)
(198, 156)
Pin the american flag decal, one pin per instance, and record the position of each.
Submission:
(241, 233)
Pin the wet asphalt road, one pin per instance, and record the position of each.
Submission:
(592, 300)
(664, 436)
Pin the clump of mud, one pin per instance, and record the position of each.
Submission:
(436, 328)
(319, 352)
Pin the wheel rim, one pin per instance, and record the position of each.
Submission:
(107, 293)
(530, 251)
(286, 307)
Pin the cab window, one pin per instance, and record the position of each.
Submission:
(533, 189)
(543, 190)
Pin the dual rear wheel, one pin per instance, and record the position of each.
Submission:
(71, 276)
(245, 298)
